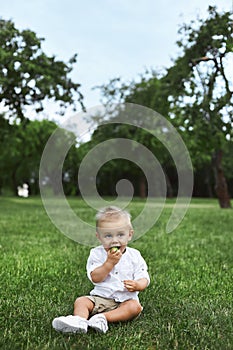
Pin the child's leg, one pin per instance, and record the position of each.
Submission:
(127, 310)
(77, 323)
(83, 307)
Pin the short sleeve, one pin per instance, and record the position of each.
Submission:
(94, 260)
(141, 270)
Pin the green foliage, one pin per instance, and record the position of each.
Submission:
(201, 40)
(59, 168)
(200, 85)
(227, 164)
(28, 76)
(148, 90)
(116, 169)
(22, 146)
(188, 304)
(201, 92)
(195, 94)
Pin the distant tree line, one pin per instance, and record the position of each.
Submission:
(195, 94)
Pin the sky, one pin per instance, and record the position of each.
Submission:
(112, 38)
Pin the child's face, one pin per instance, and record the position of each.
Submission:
(114, 233)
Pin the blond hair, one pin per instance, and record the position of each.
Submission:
(112, 213)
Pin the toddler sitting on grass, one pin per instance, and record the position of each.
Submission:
(117, 272)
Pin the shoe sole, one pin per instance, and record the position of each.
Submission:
(97, 329)
(61, 326)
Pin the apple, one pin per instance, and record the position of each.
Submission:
(114, 249)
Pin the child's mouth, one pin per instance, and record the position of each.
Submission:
(114, 248)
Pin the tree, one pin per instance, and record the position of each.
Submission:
(115, 169)
(5, 130)
(21, 149)
(28, 76)
(202, 93)
(149, 91)
(195, 94)
(228, 165)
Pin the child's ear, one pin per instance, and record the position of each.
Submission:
(97, 235)
(131, 232)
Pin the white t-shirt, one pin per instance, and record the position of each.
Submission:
(131, 266)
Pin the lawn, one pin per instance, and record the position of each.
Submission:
(188, 304)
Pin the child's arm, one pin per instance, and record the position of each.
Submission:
(100, 273)
(137, 285)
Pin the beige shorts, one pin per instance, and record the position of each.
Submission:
(102, 304)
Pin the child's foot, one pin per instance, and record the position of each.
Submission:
(70, 324)
(99, 323)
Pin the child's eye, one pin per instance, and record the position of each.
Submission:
(121, 234)
(108, 235)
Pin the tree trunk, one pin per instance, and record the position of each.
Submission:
(220, 181)
(207, 183)
(142, 187)
(169, 187)
(14, 183)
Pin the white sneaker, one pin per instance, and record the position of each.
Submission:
(70, 324)
(99, 323)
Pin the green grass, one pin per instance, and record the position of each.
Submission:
(188, 304)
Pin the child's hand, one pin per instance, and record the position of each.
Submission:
(114, 257)
(135, 286)
(131, 285)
